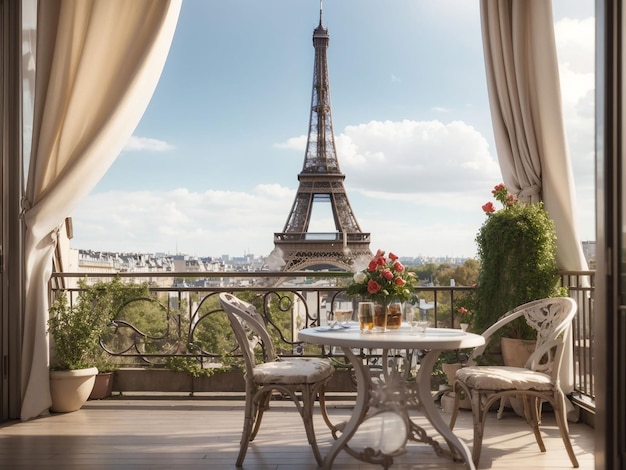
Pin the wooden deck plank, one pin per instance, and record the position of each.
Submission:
(202, 433)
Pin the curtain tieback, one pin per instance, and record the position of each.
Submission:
(530, 193)
(26, 206)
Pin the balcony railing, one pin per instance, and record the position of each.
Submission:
(182, 318)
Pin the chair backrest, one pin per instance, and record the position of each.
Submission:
(552, 319)
(249, 328)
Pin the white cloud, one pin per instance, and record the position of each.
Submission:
(416, 157)
(199, 223)
(138, 144)
(294, 143)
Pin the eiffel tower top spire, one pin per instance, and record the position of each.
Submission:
(321, 8)
(321, 153)
(321, 181)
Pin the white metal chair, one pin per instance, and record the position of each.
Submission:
(535, 383)
(302, 379)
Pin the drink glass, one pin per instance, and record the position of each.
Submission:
(380, 318)
(343, 316)
(409, 312)
(366, 316)
(394, 315)
(409, 316)
(422, 326)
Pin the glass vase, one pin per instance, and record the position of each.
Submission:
(387, 316)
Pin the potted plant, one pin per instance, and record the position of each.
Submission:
(103, 385)
(75, 329)
(517, 254)
(445, 370)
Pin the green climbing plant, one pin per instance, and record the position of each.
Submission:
(517, 253)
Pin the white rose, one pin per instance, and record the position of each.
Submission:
(360, 277)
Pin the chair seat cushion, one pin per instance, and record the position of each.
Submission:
(504, 378)
(298, 370)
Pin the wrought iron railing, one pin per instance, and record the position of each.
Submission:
(186, 321)
(580, 286)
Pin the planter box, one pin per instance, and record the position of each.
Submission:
(165, 380)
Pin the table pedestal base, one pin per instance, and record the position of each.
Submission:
(381, 423)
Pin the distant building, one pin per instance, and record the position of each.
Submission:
(589, 250)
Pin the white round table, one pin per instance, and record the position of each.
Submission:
(435, 341)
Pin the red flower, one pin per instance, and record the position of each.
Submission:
(373, 266)
(510, 200)
(488, 208)
(380, 253)
(400, 281)
(381, 261)
(373, 287)
(398, 266)
(392, 257)
(501, 194)
(462, 310)
(498, 188)
(387, 274)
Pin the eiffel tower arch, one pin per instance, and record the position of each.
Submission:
(321, 181)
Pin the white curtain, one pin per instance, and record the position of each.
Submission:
(525, 100)
(98, 64)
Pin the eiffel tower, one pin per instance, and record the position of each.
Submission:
(321, 181)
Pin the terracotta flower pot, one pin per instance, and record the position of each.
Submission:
(515, 352)
(103, 386)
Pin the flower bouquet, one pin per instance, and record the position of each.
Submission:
(385, 280)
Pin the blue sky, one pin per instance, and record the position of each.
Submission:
(212, 167)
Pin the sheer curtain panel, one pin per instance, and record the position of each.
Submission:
(98, 63)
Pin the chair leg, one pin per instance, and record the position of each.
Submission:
(532, 414)
(561, 420)
(248, 425)
(261, 404)
(458, 388)
(308, 401)
(479, 417)
(322, 399)
(501, 408)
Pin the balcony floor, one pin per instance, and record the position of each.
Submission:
(203, 432)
